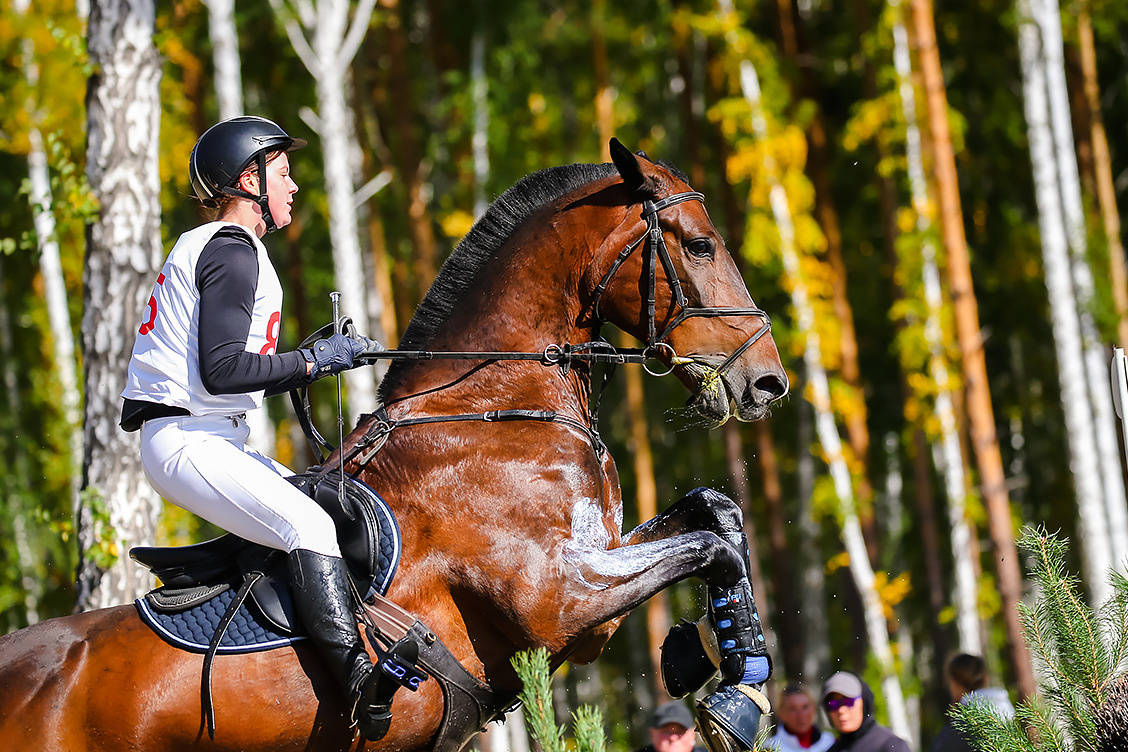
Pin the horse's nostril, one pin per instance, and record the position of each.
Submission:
(772, 385)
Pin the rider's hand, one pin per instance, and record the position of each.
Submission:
(336, 353)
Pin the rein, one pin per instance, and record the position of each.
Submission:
(563, 355)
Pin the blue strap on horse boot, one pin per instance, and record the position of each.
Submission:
(730, 717)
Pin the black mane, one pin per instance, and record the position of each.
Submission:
(508, 212)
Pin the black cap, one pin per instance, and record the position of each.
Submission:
(671, 712)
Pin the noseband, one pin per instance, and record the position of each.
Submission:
(655, 248)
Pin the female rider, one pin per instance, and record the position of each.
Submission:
(206, 353)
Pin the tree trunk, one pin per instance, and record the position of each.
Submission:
(825, 425)
(985, 442)
(1102, 167)
(50, 266)
(951, 467)
(1067, 326)
(327, 56)
(1095, 355)
(118, 510)
(480, 88)
(816, 636)
(854, 415)
(225, 55)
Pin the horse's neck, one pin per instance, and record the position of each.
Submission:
(522, 306)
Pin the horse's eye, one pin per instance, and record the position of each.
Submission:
(701, 247)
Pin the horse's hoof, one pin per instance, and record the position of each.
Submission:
(689, 658)
(729, 718)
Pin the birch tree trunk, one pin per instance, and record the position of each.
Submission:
(950, 466)
(1048, 16)
(984, 439)
(1064, 316)
(326, 40)
(480, 89)
(225, 56)
(118, 509)
(825, 427)
(816, 637)
(50, 266)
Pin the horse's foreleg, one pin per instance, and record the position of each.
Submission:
(733, 712)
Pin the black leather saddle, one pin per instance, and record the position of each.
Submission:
(366, 529)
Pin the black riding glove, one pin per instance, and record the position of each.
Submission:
(336, 353)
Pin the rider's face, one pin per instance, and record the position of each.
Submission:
(280, 189)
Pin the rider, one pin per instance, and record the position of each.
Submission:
(206, 353)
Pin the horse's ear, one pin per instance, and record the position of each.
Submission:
(631, 170)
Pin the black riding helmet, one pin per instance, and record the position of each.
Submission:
(226, 149)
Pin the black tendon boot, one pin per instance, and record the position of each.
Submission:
(730, 717)
(325, 606)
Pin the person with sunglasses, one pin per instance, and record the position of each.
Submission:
(848, 703)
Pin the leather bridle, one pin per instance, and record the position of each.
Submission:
(600, 351)
(655, 248)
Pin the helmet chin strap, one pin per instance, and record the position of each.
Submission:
(261, 199)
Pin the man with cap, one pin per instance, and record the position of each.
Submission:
(848, 702)
(797, 730)
(672, 729)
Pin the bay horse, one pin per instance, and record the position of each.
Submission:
(512, 530)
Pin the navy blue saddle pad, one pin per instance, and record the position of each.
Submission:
(188, 617)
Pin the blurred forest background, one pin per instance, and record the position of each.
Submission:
(925, 200)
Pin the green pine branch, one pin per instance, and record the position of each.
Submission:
(533, 668)
(1082, 654)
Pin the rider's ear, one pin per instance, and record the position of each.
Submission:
(631, 171)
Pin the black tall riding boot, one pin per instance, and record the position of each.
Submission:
(325, 606)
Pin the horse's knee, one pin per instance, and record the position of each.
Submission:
(710, 509)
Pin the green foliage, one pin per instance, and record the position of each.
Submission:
(1082, 654)
(532, 667)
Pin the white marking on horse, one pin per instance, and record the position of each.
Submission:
(587, 548)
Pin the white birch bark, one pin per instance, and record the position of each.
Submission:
(964, 593)
(50, 266)
(123, 253)
(1064, 317)
(225, 56)
(326, 41)
(1047, 15)
(825, 427)
(479, 87)
(816, 637)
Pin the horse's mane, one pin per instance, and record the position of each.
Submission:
(508, 212)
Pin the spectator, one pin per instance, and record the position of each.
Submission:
(797, 730)
(848, 703)
(967, 679)
(672, 730)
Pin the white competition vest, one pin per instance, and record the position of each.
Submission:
(165, 366)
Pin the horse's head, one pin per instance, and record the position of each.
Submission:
(666, 277)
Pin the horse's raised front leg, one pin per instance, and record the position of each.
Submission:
(735, 644)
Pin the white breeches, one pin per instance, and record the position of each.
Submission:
(202, 464)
